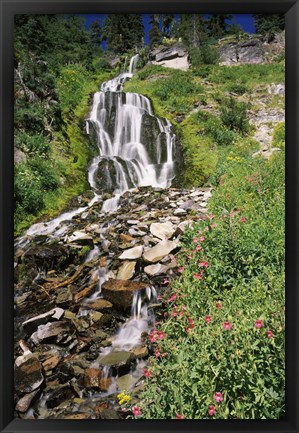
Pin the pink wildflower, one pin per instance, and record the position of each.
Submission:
(179, 416)
(218, 305)
(161, 335)
(227, 326)
(197, 276)
(136, 411)
(269, 334)
(172, 298)
(208, 319)
(214, 225)
(195, 240)
(258, 324)
(204, 264)
(159, 298)
(202, 238)
(181, 269)
(212, 410)
(243, 220)
(146, 373)
(166, 281)
(198, 247)
(218, 397)
(211, 216)
(157, 353)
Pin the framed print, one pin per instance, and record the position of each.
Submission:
(149, 216)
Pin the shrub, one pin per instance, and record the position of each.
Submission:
(33, 145)
(218, 132)
(234, 115)
(238, 88)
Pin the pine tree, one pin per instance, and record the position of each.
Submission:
(167, 24)
(266, 24)
(95, 32)
(217, 26)
(155, 33)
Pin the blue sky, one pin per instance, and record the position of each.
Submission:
(245, 21)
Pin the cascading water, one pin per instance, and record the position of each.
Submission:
(136, 148)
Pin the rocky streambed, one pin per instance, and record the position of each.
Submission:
(87, 297)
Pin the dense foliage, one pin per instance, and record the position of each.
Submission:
(222, 351)
(55, 74)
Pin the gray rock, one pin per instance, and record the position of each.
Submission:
(59, 331)
(179, 211)
(161, 250)
(132, 253)
(154, 270)
(31, 325)
(116, 359)
(162, 230)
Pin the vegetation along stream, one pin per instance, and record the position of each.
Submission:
(149, 218)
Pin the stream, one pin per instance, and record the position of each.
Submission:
(88, 282)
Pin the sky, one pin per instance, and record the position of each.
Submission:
(245, 21)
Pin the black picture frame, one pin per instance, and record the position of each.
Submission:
(8, 8)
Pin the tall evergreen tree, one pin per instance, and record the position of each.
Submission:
(123, 32)
(155, 33)
(266, 24)
(217, 26)
(167, 24)
(96, 32)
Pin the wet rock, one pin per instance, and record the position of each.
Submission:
(92, 378)
(109, 414)
(80, 237)
(98, 304)
(28, 375)
(125, 238)
(25, 402)
(63, 373)
(127, 381)
(126, 271)
(157, 269)
(132, 253)
(31, 325)
(161, 250)
(46, 257)
(59, 332)
(140, 352)
(117, 359)
(84, 293)
(58, 395)
(120, 292)
(162, 230)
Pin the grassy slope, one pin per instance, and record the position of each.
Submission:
(70, 147)
(232, 263)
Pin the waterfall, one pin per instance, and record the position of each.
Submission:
(135, 147)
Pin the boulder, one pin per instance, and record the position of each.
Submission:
(28, 375)
(81, 238)
(162, 230)
(159, 251)
(24, 402)
(132, 253)
(116, 359)
(31, 325)
(58, 332)
(154, 270)
(120, 292)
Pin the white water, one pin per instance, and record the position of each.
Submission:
(120, 144)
